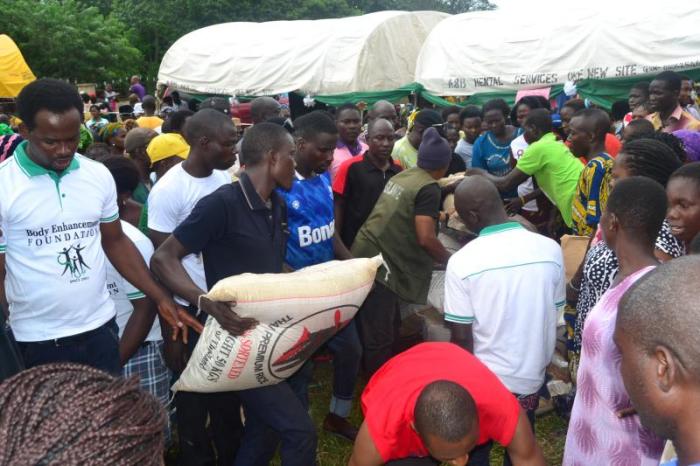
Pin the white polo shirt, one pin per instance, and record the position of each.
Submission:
(55, 264)
(509, 285)
(122, 292)
(171, 201)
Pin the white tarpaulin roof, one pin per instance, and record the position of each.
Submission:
(374, 52)
(537, 44)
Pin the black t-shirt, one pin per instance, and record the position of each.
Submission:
(359, 183)
(428, 201)
(236, 232)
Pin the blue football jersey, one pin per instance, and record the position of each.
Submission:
(311, 221)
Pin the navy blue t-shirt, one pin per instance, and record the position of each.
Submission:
(311, 221)
(236, 232)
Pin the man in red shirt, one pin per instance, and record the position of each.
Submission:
(361, 180)
(434, 403)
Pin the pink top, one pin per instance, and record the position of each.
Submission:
(342, 154)
(679, 119)
(596, 435)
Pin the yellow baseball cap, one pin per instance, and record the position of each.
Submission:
(167, 145)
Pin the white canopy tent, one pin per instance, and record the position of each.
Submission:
(537, 44)
(374, 52)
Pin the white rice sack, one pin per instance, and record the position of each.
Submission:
(448, 242)
(455, 222)
(436, 292)
(297, 313)
(442, 182)
(434, 326)
(448, 205)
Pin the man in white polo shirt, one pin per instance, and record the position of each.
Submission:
(59, 217)
(503, 293)
(212, 138)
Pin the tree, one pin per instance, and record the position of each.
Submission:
(448, 6)
(65, 39)
(159, 23)
(104, 40)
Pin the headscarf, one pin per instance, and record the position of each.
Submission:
(691, 143)
(109, 130)
(130, 124)
(5, 129)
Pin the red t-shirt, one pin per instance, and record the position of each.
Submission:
(612, 145)
(389, 399)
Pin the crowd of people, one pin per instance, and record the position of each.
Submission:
(111, 233)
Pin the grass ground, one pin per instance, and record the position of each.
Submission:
(335, 451)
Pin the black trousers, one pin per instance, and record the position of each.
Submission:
(414, 462)
(11, 361)
(217, 444)
(379, 320)
(98, 348)
(481, 455)
(209, 425)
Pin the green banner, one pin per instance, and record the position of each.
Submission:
(369, 98)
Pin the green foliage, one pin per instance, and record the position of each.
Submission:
(105, 40)
(448, 6)
(159, 23)
(66, 39)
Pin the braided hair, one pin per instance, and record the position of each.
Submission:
(532, 102)
(673, 142)
(650, 158)
(66, 413)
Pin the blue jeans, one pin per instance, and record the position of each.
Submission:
(347, 357)
(98, 348)
(276, 408)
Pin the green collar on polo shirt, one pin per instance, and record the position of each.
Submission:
(499, 228)
(31, 168)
